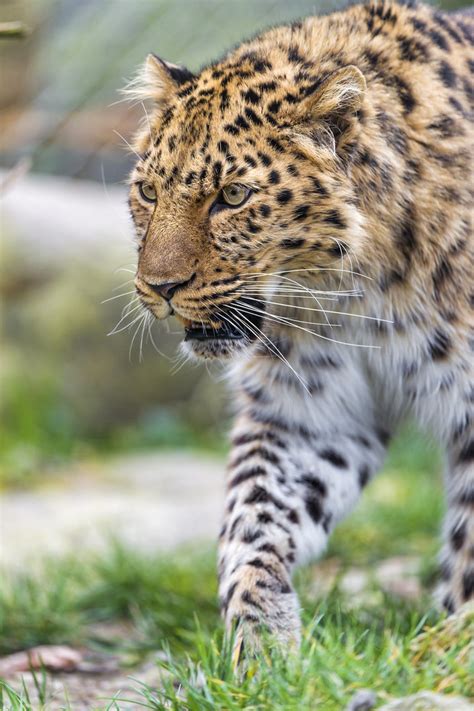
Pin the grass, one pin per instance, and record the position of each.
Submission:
(168, 602)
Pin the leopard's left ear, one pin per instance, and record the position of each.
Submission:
(340, 94)
(157, 80)
(328, 115)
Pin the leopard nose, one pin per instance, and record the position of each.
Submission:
(165, 290)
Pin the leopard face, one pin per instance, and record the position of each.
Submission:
(242, 183)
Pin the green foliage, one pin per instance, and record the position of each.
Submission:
(69, 391)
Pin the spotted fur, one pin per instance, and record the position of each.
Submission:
(347, 272)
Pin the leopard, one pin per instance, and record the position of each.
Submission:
(303, 207)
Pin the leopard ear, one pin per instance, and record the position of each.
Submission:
(328, 114)
(340, 94)
(157, 80)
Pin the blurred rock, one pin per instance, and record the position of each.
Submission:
(151, 502)
(399, 576)
(363, 700)
(428, 701)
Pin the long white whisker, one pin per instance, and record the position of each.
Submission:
(282, 320)
(306, 269)
(118, 296)
(119, 330)
(251, 327)
(127, 144)
(339, 313)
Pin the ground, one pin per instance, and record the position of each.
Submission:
(141, 615)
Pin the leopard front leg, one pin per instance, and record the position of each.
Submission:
(288, 486)
(258, 546)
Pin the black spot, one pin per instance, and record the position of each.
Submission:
(317, 186)
(439, 39)
(276, 145)
(264, 158)
(234, 526)
(301, 212)
(252, 96)
(274, 177)
(241, 122)
(291, 98)
(274, 106)
(216, 173)
(293, 517)
(265, 210)
(252, 227)
(230, 594)
(260, 495)
(249, 600)
(264, 517)
(458, 536)
(292, 243)
(333, 217)
(252, 117)
(246, 474)
(267, 86)
(446, 127)
(467, 453)
(250, 161)
(440, 345)
(447, 75)
(405, 94)
(364, 475)
(294, 55)
(447, 27)
(314, 483)
(411, 50)
(284, 196)
(467, 497)
(330, 455)
(448, 604)
(223, 147)
(314, 508)
(230, 128)
(468, 584)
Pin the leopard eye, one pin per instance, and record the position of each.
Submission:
(234, 194)
(147, 192)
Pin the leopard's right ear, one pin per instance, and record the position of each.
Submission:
(157, 80)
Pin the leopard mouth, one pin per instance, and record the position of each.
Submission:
(201, 332)
(239, 327)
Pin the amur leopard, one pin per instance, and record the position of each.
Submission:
(304, 207)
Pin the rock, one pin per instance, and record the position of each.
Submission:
(398, 576)
(52, 657)
(363, 700)
(428, 701)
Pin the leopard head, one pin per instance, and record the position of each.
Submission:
(242, 184)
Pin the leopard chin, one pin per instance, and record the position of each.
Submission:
(221, 339)
(214, 348)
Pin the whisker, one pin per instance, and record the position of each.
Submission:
(127, 144)
(339, 313)
(306, 269)
(118, 296)
(239, 315)
(282, 320)
(119, 330)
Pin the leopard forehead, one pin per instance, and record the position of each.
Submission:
(210, 135)
(230, 122)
